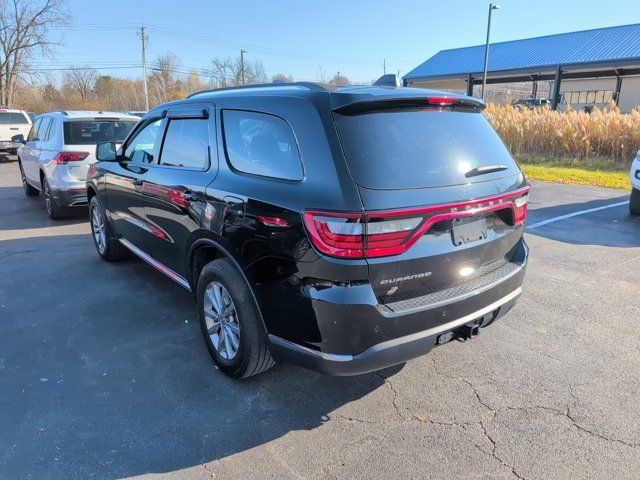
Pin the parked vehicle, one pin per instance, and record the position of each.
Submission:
(137, 113)
(55, 157)
(634, 200)
(345, 231)
(12, 122)
(530, 103)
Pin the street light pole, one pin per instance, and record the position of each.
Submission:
(242, 52)
(492, 7)
(144, 39)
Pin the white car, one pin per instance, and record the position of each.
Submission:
(634, 201)
(12, 122)
(55, 157)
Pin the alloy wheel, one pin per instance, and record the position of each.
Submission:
(98, 228)
(221, 319)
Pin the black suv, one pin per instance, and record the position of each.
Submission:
(345, 230)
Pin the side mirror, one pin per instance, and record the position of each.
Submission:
(106, 152)
(18, 138)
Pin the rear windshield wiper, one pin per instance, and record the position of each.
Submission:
(474, 172)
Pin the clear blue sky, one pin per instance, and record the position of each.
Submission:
(352, 37)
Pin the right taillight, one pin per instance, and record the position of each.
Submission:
(380, 234)
(66, 157)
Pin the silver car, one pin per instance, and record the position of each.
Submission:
(55, 157)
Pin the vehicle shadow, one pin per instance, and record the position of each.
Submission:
(612, 227)
(104, 373)
(17, 211)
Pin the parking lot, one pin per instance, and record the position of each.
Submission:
(103, 372)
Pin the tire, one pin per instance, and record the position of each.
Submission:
(55, 211)
(634, 202)
(29, 191)
(104, 237)
(242, 326)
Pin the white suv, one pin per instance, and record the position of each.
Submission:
(12, 123)
(634, 201)
(55, 157)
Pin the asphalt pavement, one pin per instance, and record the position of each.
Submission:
(103, 372)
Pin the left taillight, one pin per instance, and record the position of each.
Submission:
(380, 234)
(66, 157)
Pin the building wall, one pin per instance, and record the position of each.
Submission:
(629, 93)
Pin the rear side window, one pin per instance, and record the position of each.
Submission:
(397, 149)
(5, 117)
(92, 132)
(186, 144)
(261, 144)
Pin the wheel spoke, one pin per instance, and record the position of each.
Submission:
(222, 344)
(228, 343)
(217, 289)
(214, 328)
(233, 328)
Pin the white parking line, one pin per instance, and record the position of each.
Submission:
(575, 214)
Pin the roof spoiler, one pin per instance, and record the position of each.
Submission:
(388, 80)
(412, 102)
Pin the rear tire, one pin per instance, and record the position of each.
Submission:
(104, 237)
(29, 191)
(55, 211)
(634, 202)
(230, 321)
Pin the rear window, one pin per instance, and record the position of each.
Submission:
(13, 117)
(398, 149)
(92, 132)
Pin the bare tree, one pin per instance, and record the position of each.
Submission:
(164, 78)
(281, 78)
(227, 72)
(24, 31)
(81, 81)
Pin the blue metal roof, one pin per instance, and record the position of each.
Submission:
(601, 45)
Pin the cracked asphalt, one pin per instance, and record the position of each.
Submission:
(103, 373)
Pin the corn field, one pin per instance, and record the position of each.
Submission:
(606, 134)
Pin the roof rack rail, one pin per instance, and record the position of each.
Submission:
(63, 112)
(316, 87)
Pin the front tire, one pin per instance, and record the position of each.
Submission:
(104, 238)
(230, 321)
(634, 202)
(55, 211)
(29, 191)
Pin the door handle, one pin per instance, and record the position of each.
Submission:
(190, 196)
(137, 183)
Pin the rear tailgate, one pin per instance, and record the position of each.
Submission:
(442, 187)
(83, 134)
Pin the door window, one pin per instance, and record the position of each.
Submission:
(41, 134)
(143, 146)
(186, 144)
(34, 129)
(261, 144)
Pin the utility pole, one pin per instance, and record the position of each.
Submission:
(338, 79)
(384, 66)
(242, 52)
(492, 7)
(144, 39)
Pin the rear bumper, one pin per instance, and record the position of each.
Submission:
(70, 197)
(9, 146)
(359, 335)
(391, 352)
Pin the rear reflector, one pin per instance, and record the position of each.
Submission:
(380, 234)
(66, 157)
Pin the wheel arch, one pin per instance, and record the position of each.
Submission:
(205, 250)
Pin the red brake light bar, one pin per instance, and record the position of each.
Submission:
(380, 234)
(66, 157)
(433, 100)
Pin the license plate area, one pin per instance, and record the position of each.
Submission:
(468, 229)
